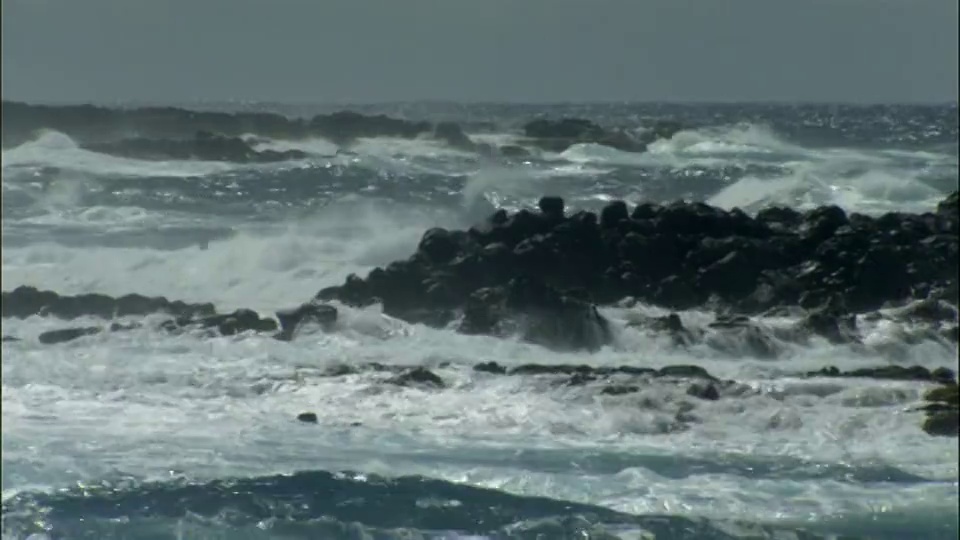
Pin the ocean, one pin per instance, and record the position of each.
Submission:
(147, 434)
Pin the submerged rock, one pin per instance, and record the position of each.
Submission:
(899, 373)
(307, 417)
(418, 376)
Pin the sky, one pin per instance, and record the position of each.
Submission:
(353, 51)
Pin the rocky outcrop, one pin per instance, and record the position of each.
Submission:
(539, 274)
(693, 382)
(24, 302)
(89, 124)
(943, 411)
(204, 146)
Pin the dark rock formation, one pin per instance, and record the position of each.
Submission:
(897, 373)
(537, 273)
(69, 334)
(203, 146)
(418, 376)
(292, 319)
(24, 302)
(708, 392)
(90, 124)
(943, 411)
(226, 324)
(307, 417)
(163, 132)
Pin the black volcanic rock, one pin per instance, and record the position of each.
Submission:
(536, 274)
(943, 411)
(307, 417)
(25, 301)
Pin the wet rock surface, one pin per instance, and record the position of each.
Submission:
(942, 411)
(25, 302)
(540, 273)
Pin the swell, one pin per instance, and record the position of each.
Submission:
(337, 505)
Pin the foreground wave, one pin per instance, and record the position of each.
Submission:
(320, 504)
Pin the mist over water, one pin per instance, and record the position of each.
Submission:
(147, 435)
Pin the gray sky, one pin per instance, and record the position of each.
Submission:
(479, 50)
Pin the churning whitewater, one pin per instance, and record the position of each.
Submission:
(530, 367)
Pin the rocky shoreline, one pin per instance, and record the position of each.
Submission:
(542, 275)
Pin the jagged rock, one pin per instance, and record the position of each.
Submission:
(537, 273)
